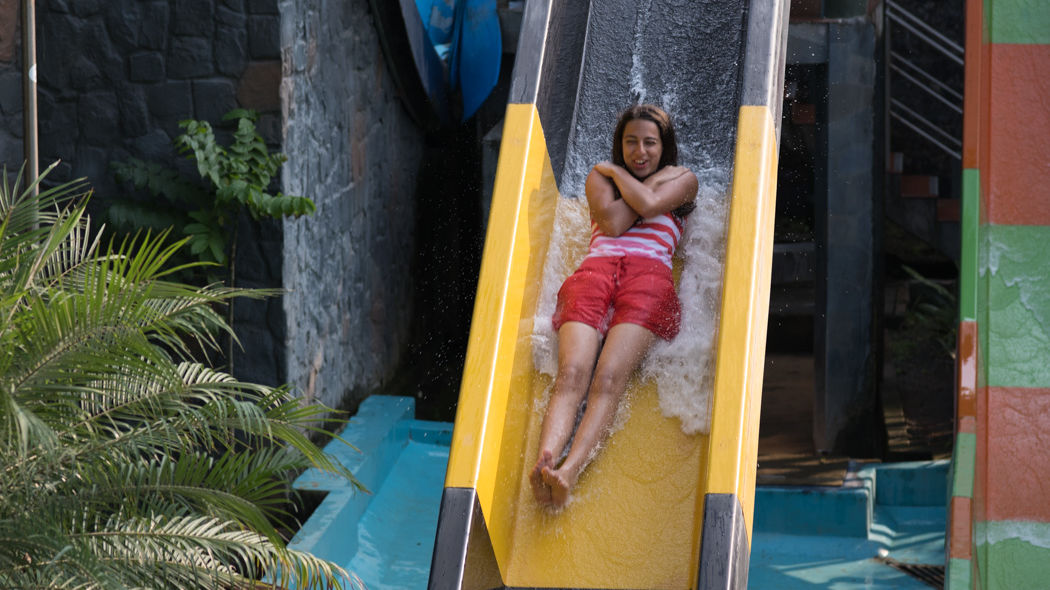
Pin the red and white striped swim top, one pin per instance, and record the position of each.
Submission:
(656, 237)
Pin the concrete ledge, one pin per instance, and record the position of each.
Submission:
(379, 431)
(913, 483)
(839, 512)
(911, 493)
(372, 433)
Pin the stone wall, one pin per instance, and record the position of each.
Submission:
(11, 130)
(116, 77)
(355, 152)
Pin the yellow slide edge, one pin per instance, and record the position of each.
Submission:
(733, 442)
(475, 450)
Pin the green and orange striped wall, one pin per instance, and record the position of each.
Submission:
(999, 519)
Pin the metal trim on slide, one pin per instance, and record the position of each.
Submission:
(547, 67)
(766, 49)
(528, 60)
(724, 548)
(735, 410)
(463, 556)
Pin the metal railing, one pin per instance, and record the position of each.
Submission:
(915, 117)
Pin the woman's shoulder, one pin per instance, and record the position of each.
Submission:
(597, 182)
(676, 170)
(675, 178)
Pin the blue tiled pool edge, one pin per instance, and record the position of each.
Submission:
(804, 537)
(379, 432)
(817, 537)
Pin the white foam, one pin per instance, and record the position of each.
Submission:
(638, 86)
(681, 368)
(568, 245)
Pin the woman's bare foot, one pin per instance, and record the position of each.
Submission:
(560, 484)
(540, 488)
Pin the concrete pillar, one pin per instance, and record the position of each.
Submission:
(846, 415)
(1000, 529)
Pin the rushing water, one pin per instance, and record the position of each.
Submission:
(682, 59)
(681, 368)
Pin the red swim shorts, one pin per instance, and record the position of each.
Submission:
(611, 290)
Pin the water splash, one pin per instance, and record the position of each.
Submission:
(568, 245)
(638, 86)
(681, 368)
(698, 101)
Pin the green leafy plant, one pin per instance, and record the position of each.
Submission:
(933, 313)
(232, 179)
(126, 462)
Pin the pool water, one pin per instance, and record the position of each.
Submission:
(805, 538)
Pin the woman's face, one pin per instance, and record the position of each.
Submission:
(642, 147)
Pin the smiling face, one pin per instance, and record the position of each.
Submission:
(644, 140)
(642, 147)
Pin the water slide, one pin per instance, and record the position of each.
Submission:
(668, 503)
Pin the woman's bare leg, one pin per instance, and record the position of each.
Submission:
(625, 346)
(578, 346)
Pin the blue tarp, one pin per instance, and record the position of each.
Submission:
(466, 35)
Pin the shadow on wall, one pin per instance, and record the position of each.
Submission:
(450, 233)
(448, 257)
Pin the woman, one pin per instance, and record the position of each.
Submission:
(622, 293)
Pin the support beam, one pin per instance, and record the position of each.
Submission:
(846, 418)
(29, 115)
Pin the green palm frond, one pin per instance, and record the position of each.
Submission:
(243, 487)
(183, 552)
(124, 461)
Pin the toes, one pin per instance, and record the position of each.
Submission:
(540, 489)
(559, 488)
(542, 494)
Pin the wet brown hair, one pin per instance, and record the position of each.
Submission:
(668, 141)
(648, 112)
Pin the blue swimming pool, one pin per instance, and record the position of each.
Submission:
(871, 533)
(386, 538)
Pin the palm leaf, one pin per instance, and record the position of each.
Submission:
(124, 461)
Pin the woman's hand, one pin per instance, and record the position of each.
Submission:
(664, 190)
(613, 216)
(607, 168)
